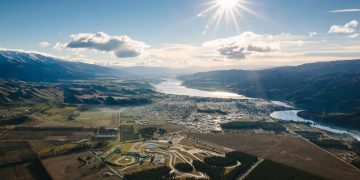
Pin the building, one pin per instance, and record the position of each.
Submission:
(106, 133)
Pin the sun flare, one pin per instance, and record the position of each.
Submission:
(228, 11)
(227, 4)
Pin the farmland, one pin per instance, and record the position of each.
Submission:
(289, 150)
(68, 167)
(189, 136)
(18, 160)
(279, 171)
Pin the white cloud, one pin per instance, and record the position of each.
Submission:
(247, 43)
(347, 28)
(201, 15)
(60, 46)
(312, 34)
(355, 35)
(44, 44)
(247, 49)
(121, 46)
(345, 10)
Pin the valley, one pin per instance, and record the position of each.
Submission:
(56, 128)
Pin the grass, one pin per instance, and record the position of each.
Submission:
(279, 171)
(54, 113)
(41, 147)
(99, 117)
(126, 147)
(45, 148)
(289, 150)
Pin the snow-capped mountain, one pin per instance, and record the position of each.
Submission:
(31, 66)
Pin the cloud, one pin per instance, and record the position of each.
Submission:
(312, 34)
(44, 44)
(355, 35)
(121, 46)
(247, 43)
(347, 28)
(201, 15)
(60, 46)
(345, 10)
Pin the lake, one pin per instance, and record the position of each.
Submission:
(291, 115)
(175, 87)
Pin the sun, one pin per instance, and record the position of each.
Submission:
(227, 4)
(227, 11)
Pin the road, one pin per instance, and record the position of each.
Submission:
(251, 169)
(113, 170)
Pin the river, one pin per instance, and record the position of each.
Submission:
(175, 87)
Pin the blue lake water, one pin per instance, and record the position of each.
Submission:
(151, 147)
(291, 115)
(175, 87)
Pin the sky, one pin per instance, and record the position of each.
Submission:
(184, 33)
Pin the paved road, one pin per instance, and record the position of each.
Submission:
(113, 170)
(251, 169)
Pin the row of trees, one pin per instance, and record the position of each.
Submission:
(212, 171)
(13, 120)
(147, 132)
(35, 128)
(247, 160)
(184, 167)
(209, 167)
(214, 166)
(244, 158)
(159, 173)
(219, 161)
(245, 125)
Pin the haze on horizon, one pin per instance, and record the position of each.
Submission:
(187, 33)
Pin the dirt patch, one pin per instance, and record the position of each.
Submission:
(69, 167)
(28, 135)
(173, 128)
(290, 150)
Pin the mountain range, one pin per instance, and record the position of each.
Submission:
(29, 66)
(329, 91)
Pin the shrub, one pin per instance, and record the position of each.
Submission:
(184, 167)
(219, 161)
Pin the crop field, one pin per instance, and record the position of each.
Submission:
(43, 148)
(67, 116)
(29, 170)
(173, 127)
(60, 114)
(98, 118)
(15, 151)
(289, 150)
(104, 117)
(18, 161)
(68, 167)
(47, 135)
(52, 113)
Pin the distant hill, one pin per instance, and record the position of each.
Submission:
(330, 91)
(158, 71)
(40, 68)
(108, 92)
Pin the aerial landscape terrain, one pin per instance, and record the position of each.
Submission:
(215, 89)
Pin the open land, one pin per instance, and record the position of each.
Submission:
(179, 133)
